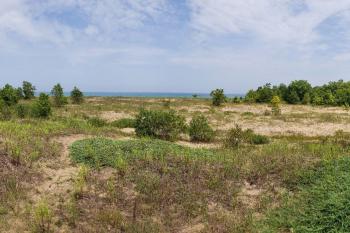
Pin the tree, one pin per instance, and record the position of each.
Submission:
(297, 89)
(275, 105)
(306, 99)
(264, 93)
(28, 90)
(42, 106)
(218, 97)
(58, 95)
(9, 95)
(76, 96)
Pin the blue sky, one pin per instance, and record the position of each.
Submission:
(173, 45)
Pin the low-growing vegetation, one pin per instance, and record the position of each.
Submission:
(81, 167)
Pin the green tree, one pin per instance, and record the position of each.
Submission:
(58, 95)
(76, 96)
(42, 106)
(218, 97)
(28, 90)
(297, 89)
(276, 105)
(264, 93)
(9, 95)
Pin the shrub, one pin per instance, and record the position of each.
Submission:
(76, 96)
(124, 123)
(22, 110)
(58, 96)
(28, 90)
(159, 124)
(237, 136)
(9, 95)
(218, 97)
(42, 106)
(42, 218)
(200, 130)
(275, 105)
(97, 122)
(234, 137)
(258, 139)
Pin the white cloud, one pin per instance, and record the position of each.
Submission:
(35, 21)
(291, 21)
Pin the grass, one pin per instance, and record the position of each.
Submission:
(321, 205)
(146, 185)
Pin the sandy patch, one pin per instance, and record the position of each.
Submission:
(198, 145)
(110, 116)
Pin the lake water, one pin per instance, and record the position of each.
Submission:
(154, 94)
(150, 94)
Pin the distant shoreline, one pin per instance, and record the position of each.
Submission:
(150, 94)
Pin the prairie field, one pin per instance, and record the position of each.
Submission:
(84, 169)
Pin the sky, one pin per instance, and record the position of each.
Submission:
(173, 45)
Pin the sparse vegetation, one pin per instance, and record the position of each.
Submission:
(200, 130)
(274, 174)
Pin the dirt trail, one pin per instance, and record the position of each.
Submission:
(58, 173)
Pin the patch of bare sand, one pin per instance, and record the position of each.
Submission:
(198, 145)
(128, 130)
(249, 194)
(277, 127)
(110, 116)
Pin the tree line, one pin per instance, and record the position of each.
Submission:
(10, 100)
(336, 93)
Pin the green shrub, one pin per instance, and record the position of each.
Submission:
(9, 95)
(200, 130)
(124, 123)
(234, 137)
(42, 106)
(165, 125)
(77, 96)
(258, 139)
(22, 110)
(100, 152)
(237, 136)
(97, 122)
(28, 90)
(218, 97)
(58, 96)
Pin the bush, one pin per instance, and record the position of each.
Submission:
(276, 105)
(200, 130)
(58, 96)
(234, 137)
(9, 95)
(22, 110)
(237, 136)
(218, 97)
(77, 96)
(159, 124)
(42, 106)
(124, 123)
(28, 90)
(97, 122)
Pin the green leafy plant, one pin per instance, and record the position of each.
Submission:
(42, 219)
(42, 106)
(58, 96)
(76, 96)
(124, 123)
(165, 125)
(96, 122)
(218, 97)
(28, 90)
(200, 130)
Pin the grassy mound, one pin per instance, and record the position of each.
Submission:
(99, 152)
(323, 204)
